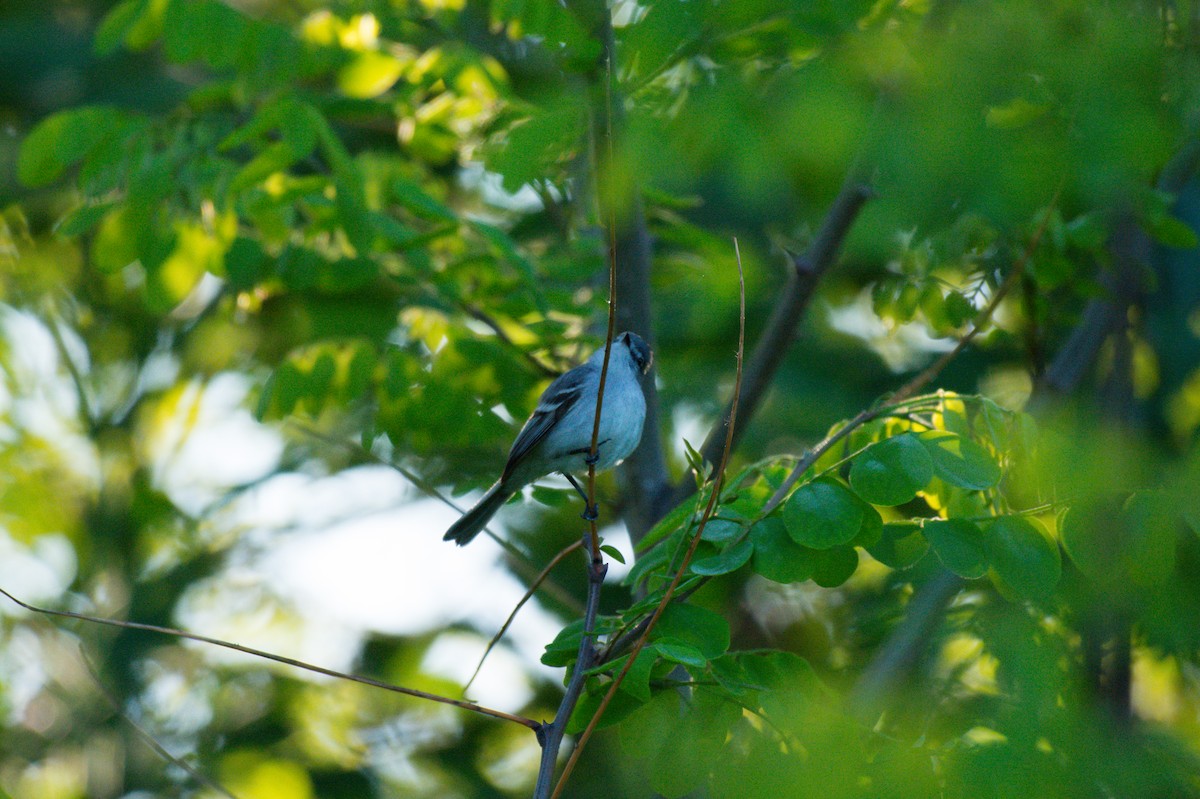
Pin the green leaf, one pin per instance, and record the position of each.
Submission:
(959, 545)
(369, 74)
(533, 147)
(134, 23)
(622, 705)
(776, 556)
(416, 199)
(834, 566)
(669, 524)
(1151, 520)
(1015, 114)
(960, 461)
(822, 514)
(872, 527)
(900, 546)
(699, 627)
(718, 531)
(111, 32)
(1123, 547)
(1024, 558)
(613, 552)
(83, 218)
(565, 647)
(771, 675)
(507, 249)
(209, 32)
(637, 679)
(1173, 232)
(64, 139)
(677, 652)
(732, 559)
(653, 561)
(670, 737)
(892, 471)
(959, 309)
(245, 264)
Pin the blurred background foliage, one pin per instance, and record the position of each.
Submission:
(251, 250)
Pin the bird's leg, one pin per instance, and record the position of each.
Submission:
(590, 511)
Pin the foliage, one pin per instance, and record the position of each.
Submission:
(351, 234)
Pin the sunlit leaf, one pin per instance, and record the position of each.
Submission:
(960, 461)
(369, 74)
(892, 471)
(1016, 114)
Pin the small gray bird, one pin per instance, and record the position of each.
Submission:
(558, 436)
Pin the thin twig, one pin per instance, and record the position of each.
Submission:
(60, 344)
(299, 664)
(537, 581)
(145, 735)
(718, 478)
(483, 316)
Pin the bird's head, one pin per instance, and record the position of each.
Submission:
(639, 350)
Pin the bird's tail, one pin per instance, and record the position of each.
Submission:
(474, 520)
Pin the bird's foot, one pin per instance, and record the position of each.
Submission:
(590, 513)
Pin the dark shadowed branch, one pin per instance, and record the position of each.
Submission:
(805, 275)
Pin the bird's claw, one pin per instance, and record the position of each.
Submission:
(590, 513)
(591, 459)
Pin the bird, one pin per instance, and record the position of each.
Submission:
(557, 437)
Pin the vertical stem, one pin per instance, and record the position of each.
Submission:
(550, 735)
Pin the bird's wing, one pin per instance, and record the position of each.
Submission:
(558, 398)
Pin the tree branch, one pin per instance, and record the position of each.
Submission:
(300, 664)
(643, 477)
(550, 735)
(902, 650)
(807, 270)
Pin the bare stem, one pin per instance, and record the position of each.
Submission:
(299, 664)
(550, 735)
